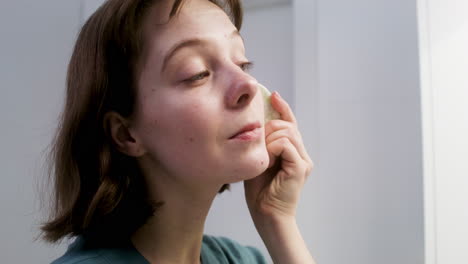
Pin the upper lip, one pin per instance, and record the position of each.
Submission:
(248, 127)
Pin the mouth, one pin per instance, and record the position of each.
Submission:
(248, 132)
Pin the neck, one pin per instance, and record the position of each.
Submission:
(174, 234)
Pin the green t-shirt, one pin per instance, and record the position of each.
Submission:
(215, 250)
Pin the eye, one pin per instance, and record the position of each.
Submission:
(246, 66)
(198, 76)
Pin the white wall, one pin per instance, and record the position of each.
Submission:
(364, 201)
(444, 79)
(36, 38)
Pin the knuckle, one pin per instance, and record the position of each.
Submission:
(309, 167)
(290, 134)
(274, 124)
(290, 125)
(284, 141)
(306, 171)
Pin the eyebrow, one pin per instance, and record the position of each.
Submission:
(190, 43)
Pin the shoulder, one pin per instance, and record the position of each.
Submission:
(78, 253)
(217, 248)
(82, 257)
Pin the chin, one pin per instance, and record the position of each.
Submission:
(248, 167)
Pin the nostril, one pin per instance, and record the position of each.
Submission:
(243, 98)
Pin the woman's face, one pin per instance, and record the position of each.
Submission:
(194, 96)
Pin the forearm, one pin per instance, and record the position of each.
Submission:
(284, 241)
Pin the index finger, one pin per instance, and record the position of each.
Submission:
(280, 105)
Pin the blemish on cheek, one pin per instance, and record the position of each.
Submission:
(261, 162)
(191, 139)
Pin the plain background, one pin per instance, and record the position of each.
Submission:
(350, 69)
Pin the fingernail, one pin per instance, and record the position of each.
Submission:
(278, 94)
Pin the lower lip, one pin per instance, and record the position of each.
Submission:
(248, 135)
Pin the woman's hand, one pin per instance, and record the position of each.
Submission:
(272, 197)
(275, 193)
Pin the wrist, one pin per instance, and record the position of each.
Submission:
(283, 240)
(273, 222)
(272, 213)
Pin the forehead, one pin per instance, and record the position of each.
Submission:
(195, 19)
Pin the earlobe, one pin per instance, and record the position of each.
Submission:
(117, 129)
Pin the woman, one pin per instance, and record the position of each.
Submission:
(160, 116)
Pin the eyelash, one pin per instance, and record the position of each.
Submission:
(245, 66)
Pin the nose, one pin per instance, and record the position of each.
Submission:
(242, 90)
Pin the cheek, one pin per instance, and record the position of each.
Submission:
(193, 123)
(192, 152)
(181, 133)
(187, 126)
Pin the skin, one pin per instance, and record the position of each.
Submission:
(188, 107)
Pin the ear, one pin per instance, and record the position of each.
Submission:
(117, 128)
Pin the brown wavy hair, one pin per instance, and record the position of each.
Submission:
(99, 191)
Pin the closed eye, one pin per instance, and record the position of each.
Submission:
(198, 76)
(246, 66)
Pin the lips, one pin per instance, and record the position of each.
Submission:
(247, 128)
